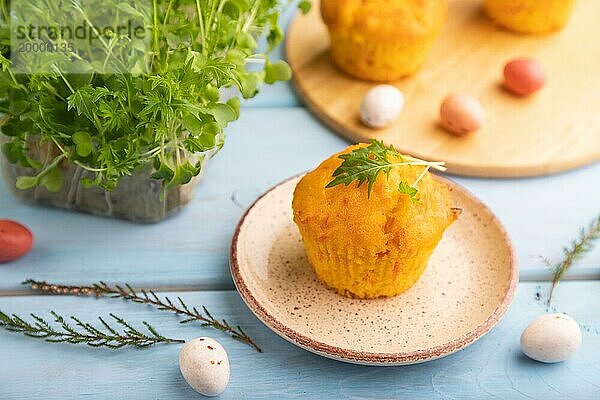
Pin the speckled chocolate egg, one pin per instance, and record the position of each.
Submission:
(381, 106)
(551, 338)
(204, 365)
(461, 114)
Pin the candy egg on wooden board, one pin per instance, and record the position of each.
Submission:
(523, 76)
(461, 114)
(551, 338)
(381, 106)
(15, 240)
(204, 364)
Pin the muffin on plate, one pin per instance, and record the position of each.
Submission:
(372, 239)
(530, 16)
(381, 40)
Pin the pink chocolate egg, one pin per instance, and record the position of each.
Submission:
(461, 114)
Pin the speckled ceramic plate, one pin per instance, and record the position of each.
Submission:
(467, 287)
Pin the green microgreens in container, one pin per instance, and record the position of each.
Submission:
(117, 101)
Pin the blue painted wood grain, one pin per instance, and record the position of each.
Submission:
(273, 140)
(264, 147)
(491, 368)
(190, 248)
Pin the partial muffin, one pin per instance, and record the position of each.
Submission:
(378, 245)
(381, 40)
(530, 16)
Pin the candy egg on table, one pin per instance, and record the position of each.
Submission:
(523, 76)
(204, 365)
(381, 106)
(551, 338)
(15, 240)
(461, 114)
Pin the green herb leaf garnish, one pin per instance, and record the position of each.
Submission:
(411, 191)
(366, 163)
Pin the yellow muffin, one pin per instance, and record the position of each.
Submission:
(369, 247)
(382, 40)
(530, 16)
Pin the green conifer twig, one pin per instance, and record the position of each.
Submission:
(583, 244)
(146, 297)
(83, 332)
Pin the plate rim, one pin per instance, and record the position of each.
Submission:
(364, 357)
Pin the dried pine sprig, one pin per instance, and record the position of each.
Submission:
(364, 164)
(583, 244)
(83, 332)
(146, 297)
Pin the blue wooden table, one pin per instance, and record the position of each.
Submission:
(187, 256)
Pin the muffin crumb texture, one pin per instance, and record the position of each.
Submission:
(370, 247)
(380, 40)
(530, 16)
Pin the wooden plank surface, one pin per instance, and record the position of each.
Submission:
(491, 368)
(264, 147)
(554, 130)
(273, 140)
(190, 248)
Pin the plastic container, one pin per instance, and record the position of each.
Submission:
(136, 197)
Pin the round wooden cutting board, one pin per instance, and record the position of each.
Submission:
(554, 130)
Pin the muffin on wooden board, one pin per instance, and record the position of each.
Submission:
(381, 40)
(371, 246)
(530, 16)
